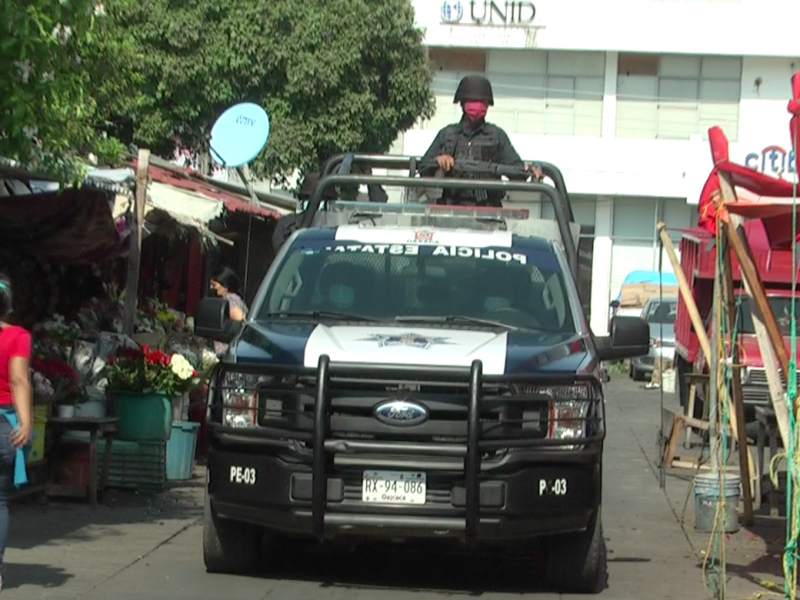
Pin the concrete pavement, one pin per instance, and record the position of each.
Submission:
(151, 547)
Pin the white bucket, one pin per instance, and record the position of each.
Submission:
(65, 411)
(706, 498)
(668, 381)
(91, 409)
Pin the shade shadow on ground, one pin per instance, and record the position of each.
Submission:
(419, 568)
(44, 576)
(69, 521)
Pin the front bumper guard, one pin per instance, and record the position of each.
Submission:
(324, 448)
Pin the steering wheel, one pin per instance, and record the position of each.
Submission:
(515, 316)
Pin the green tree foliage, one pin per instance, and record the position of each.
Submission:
(334, 75)
(64, 72)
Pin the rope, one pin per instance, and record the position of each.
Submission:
(790, 555)
(662, 476)
(714, 561)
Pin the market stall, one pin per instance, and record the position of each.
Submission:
(67, 261)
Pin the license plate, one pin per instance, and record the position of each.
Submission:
(394, 487)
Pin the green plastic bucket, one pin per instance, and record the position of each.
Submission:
(142, 417)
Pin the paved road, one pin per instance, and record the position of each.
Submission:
(151, 549)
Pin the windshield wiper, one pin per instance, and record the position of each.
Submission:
(452, 319)
(320, 314)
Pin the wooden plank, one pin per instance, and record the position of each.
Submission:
(746, 466)
(135, 249)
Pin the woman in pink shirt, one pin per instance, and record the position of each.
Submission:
(16, 406)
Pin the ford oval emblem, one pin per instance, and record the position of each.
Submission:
(401, 413)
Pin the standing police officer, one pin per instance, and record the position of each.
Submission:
(473, 138)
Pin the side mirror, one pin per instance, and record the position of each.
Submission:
(212, 321)
(628, 337)
(614, 304)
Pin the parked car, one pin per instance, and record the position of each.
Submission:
(660, 316)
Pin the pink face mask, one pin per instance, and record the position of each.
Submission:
(475, 110)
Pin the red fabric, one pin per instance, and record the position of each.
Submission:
(794, 109)
(195, 276)
(14, 342)
(770, 193)
(72, 226)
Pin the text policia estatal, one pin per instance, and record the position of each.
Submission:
(414, 250)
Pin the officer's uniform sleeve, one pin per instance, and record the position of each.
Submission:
(507, 154)
(435, 149)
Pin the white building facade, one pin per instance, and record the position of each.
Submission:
(620, 94)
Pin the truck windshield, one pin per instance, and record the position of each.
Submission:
(781, 306)
(517, 287)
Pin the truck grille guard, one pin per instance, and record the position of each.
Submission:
(323, 447)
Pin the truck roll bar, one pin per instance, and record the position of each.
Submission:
(343, 163)
(560, 207)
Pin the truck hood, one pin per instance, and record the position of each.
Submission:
(751, 353)
(300, 343)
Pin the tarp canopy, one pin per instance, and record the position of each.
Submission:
(69, 227)
(759, 196)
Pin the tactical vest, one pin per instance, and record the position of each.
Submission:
(479, 146)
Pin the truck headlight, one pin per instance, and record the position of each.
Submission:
(568, 408)
(240, 399)
(567, 419)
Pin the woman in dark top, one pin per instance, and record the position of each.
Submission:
(225, 284)
(16, 410)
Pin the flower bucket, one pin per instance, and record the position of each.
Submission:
(181, 450)
(65, 411)
(40, 416)
(91, 409)
(142, 416)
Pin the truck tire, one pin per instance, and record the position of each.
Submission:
(576, 563)
(228, 546)
(635, 374)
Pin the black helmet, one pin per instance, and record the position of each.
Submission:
(474, 87)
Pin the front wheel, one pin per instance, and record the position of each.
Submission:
(229, 546)
(576, 563)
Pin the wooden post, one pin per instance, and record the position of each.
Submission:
(745, 459)
(766, 327)
(750, 274)
(135, 251)
(686, 292)
(699, 329)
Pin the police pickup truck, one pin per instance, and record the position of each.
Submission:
(414, 371)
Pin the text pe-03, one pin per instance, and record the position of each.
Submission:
(401, 382)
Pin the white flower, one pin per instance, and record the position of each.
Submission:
(181, 367)
(209, 359)
(41, 384)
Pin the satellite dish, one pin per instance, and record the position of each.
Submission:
(239, 134)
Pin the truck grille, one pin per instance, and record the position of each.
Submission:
(756, 388)
(353, 401)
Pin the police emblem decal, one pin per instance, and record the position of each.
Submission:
(423, 237)
(408, 340)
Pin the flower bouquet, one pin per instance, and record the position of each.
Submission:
(56, 382)
(146, 370)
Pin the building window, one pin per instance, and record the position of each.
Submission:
(635, 242)
(675, 97)
(552, 93)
